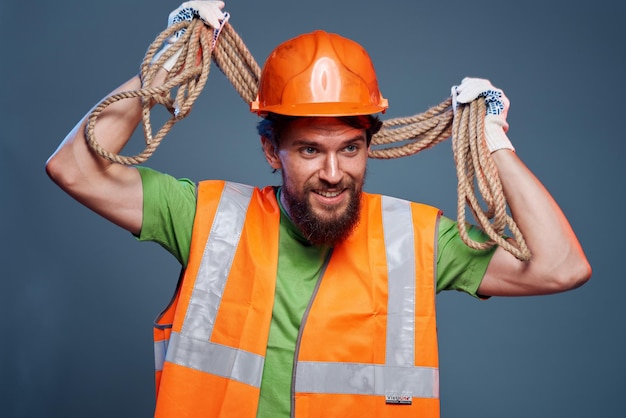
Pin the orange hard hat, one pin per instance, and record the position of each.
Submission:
(319, 74)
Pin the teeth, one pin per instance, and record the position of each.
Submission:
(328, 194)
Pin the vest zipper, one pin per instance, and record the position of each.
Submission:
(299, 339)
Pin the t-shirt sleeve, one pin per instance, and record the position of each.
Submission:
(458, 266)
(169, 207)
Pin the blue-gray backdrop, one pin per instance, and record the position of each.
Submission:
(79, 294)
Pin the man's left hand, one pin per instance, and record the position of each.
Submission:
(497, 104)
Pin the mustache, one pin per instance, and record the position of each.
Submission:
(324, 185)
(347, 183)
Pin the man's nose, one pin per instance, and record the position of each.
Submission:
(331, 172)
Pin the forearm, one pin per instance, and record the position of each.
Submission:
(75, 160)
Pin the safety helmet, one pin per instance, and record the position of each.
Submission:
(319, 74)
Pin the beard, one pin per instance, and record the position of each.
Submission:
(331, 228)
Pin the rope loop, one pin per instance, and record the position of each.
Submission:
(187, 77)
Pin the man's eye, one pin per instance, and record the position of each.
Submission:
(308, 150)
(351, 148)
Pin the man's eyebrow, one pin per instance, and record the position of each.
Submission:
(314, 143)
(305, 142)
(356, 138)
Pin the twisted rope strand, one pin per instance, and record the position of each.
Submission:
(398, 137)
(418, 132)
(237, 63)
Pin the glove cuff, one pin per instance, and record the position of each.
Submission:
(495, 134)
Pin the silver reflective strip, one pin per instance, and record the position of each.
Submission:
(217, 261)
(216, 359)
(366, 379)
(160, 348)
(400, 252)
(192, 347)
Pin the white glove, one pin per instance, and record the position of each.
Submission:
(497, 109)
(210, 12)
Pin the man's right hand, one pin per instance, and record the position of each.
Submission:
(210, 12)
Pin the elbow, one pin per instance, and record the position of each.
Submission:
(572, 276)
(63, 166)
(54, 170)
(60, 172)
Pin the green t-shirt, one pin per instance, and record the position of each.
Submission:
(299, 268)
(168, 213)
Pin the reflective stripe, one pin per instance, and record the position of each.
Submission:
(366, 379)
(192, 347)
(217, 261)
(400, 252)
(217, 359)
(160, 349)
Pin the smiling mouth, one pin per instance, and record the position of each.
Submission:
(328, 194)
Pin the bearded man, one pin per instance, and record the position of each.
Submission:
(313, 298)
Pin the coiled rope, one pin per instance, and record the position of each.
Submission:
(398, 137)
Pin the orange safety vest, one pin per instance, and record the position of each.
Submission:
(367, 345)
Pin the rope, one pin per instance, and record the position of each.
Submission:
(237, 63)
(474, 166)
(187, 76)
(397, 138)
(413, 134)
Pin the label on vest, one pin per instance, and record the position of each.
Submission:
(394, 398)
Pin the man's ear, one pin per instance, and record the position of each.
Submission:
(271, 154)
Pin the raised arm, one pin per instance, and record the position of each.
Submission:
(114, 190)
(558, 262)
(111, 190)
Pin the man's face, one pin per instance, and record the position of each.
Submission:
(323, 163)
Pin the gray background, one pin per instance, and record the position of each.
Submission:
(79, 294)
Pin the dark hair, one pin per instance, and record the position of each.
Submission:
(272, 125)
